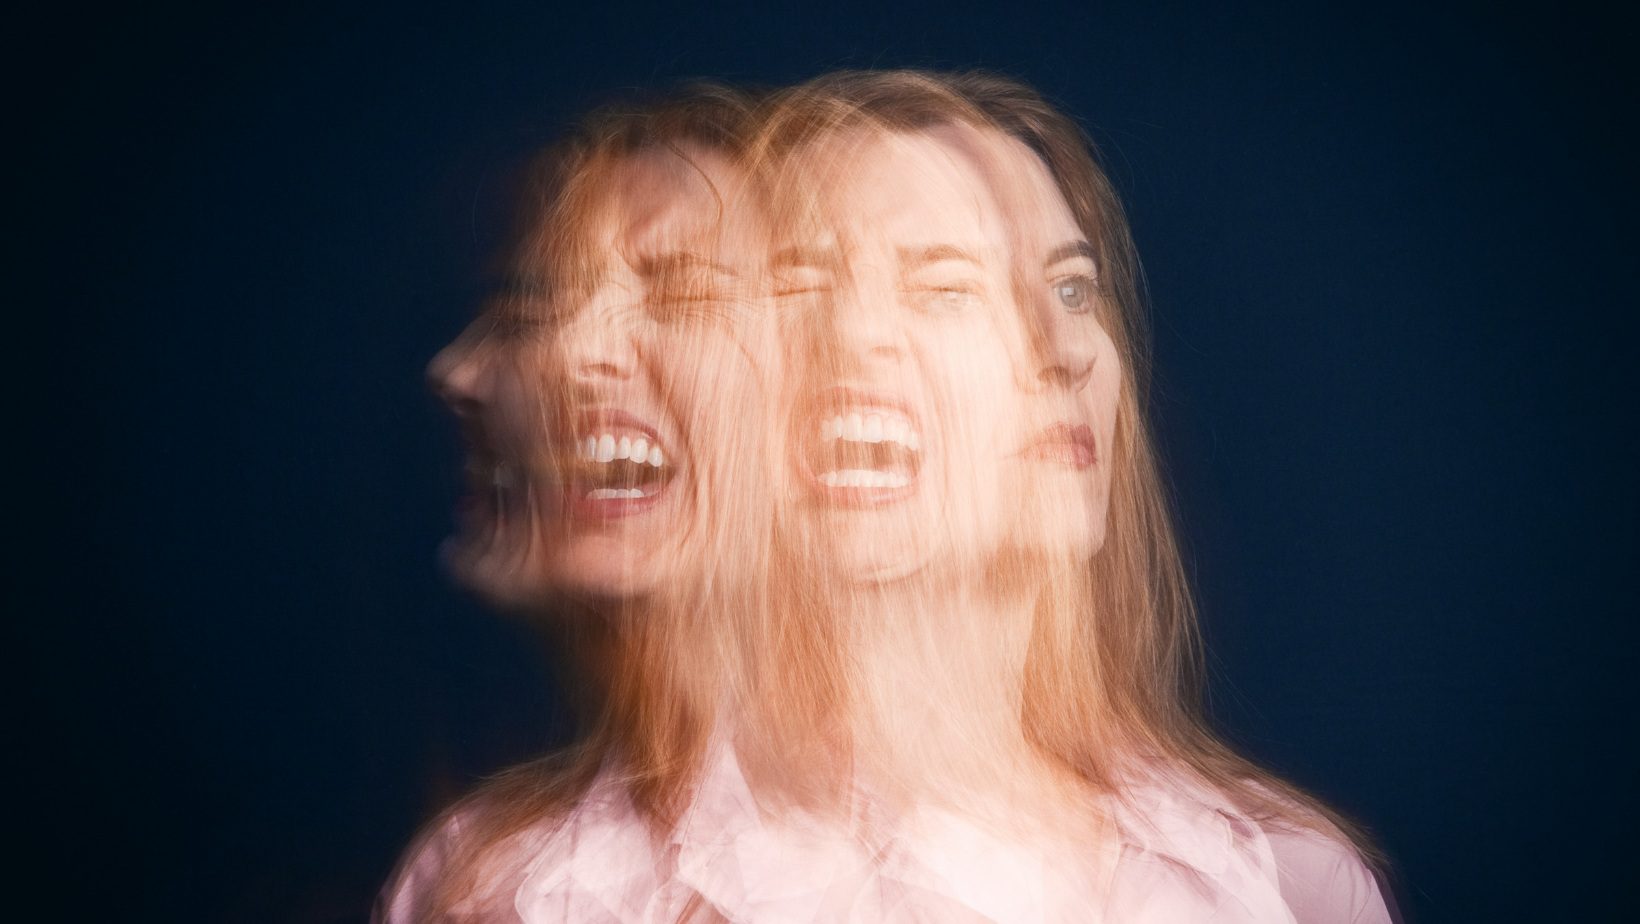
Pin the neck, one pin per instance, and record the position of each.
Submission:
(936, 708)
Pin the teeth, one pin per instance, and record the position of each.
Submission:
(863, 478)
(870, 428)
(606, 447)
(501, 476)
(614, 494)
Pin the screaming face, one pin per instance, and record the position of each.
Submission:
(650, 345)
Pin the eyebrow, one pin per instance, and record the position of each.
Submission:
(804, 256)
(675, 260)
(915, 258)
(1069, 251)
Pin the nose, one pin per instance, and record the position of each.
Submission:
(598, 348)
(462, 374)
(860, 326)
(1066, 348)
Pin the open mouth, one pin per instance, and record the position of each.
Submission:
(618, 467)
(498, 491)
(1068, 445)
(863, 454)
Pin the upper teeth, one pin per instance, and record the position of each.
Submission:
(607, 447)
(870, 428)
(502, 476)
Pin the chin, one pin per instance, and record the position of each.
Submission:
(506, 582)
(601, 569)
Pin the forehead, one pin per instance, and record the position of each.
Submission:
(664, 199)
(902, 186)
(1037, 209)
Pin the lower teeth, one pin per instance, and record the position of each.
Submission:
(864, 478)
(614, 494)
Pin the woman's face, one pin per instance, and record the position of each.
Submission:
(1070, 389)
(899, 279)
(641, 383)
(489, 377)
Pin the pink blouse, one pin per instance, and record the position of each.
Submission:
(1182, 854)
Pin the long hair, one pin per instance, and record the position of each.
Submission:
(654, 669)
(1114, 676)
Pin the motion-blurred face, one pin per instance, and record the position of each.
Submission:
(489, 377)
(1073, 378)
(899, 276)
(657, 359)
(597, 434)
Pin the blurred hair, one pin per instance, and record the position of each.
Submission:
(653, 668)
(1114, 680)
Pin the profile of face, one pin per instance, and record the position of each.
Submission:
(489, 378)
(628, 404)
(898, 275)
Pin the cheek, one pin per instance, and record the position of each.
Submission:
(1106, 392)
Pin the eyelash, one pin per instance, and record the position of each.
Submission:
(1089, 285)
(674, 309)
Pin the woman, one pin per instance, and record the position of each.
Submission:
(953, 685)
(609, 396)
(1030, 676)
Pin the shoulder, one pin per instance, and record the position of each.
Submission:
(1323, 879)
(418, 890)
(1261, 855)
(410, 891)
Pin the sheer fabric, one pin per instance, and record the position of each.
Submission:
(1179, 854)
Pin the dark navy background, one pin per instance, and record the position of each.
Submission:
(1392, 266)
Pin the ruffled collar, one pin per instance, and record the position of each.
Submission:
(1190, 854)
(1184, 854)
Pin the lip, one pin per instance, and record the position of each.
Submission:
(593, 419)
(855, 498)
(484, 497)
(1071, 445)
(576, 503)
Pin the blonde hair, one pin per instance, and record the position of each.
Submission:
(1113, 679)
(1115, 671)
(654, 668)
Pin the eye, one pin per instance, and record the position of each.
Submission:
(1075, 294)
(518, 317)
(949, 299)
(697, 306)
(801, 281)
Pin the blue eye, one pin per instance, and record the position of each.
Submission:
(1075, 293)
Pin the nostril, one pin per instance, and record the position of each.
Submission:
(599, 370)
(1058, 377)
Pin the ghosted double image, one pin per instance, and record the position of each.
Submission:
(819, 413)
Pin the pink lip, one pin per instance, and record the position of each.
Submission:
(576, 502)
(844, 396)
(1065, 444)
(581, 507)
(594, 419)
